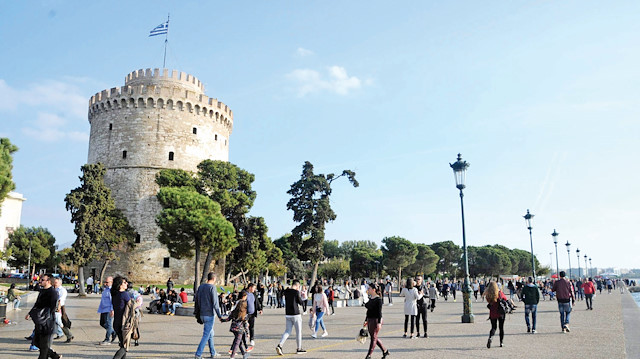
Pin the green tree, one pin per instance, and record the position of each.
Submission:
(363, 260)
(91, 207)
(41, 242)
(312, 210)
(284, 244)
(250, 256)
(118, 236)
(331, 249)
(490, 261)
(426, 261)
(450, 255)
(334, 269)
(398, 253)
(6, 167)
(191, 222)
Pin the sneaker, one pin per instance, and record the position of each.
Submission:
(501, 345)
(567, 328)
(314, 335)
(252, 343)
(105, 342)
(325, 334)
(17, 309)
(250, 348)
(300, 351)
(533, 331)
(391, 304)
(33, 348)
(279, 350)
(69, 340)
(425, 335)
(57, 337)
(489, 343)
(528, 330)
(404, 335)
(29, 338)
(385, 354)
(564, 330)
(230, 352)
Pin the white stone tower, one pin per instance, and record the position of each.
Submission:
(159, 119)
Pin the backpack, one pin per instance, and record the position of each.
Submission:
(504, 307)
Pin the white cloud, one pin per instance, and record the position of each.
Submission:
(302, 52)
(61, 107)
(337, 81)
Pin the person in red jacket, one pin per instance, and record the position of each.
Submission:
(589, 290)
(493, 295)
(183, 295)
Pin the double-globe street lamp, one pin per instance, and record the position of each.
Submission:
(459, 170)
(578, 254)
(569, 255)
(528, 218)
(555, 242)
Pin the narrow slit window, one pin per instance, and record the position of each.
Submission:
(110, 126)
(170, 156)
(137, 237)
(215, 137)
(165, 264)
(124, 154)
(195, 131)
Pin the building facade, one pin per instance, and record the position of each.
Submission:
(9, 220)
(158, 120)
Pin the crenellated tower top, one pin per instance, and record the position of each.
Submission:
(159, 77)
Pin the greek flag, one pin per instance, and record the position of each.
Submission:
(160, 29)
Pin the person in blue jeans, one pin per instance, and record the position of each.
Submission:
(207, 305)
(320, 307)
(565, 296)
(531, 297)
(105, 309)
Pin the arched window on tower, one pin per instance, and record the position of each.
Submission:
(170, 156)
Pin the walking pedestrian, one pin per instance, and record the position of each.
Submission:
(305, 297)
(206, 303)
(373, 320)
(330, 298)
(119, 298)
(411, 296)
(293, 301)
(589, 291)
(476, 288)
(433, 296)
(320, 307)
(388, 289)
(105, 309)
(90, 284)
(494, 295)
(531, 297)
(423, 304)
(239, 325)
(62, 320)
(564, 294)
(254, 307)
(43, 316)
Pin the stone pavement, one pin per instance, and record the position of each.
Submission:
(594, 334)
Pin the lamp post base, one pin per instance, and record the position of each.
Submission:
(468, 318)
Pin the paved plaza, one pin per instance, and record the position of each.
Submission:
(594, 334)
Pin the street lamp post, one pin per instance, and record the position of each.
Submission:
(578, 254)
(591, 267)
(459, 170)
(569, 255)
(528, 218)
(586, 272)
(555, 242)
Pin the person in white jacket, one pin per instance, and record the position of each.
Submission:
(411, 296)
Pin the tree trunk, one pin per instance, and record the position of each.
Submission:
(196, 280)
(266, 276)
(103, 270)
(314, 274)
(399, 275)
(244, 277)
(81, 280)
(207, 267)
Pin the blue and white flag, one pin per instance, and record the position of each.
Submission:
(160, 29)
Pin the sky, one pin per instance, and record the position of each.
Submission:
(541, 98)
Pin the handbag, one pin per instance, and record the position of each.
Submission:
(362, 335)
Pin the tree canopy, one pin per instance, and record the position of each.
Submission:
(6, 167)
(42, 244)
(426, 261)
(398, 253)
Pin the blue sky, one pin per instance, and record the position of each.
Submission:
(540, 98)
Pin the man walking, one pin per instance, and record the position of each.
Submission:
(422, 304)
(206, 305)
(531, 297)
(43, 315)
(90, 284)
(105, 309)
(292, 315)
(254, 307)
(564, 294)
(62, 320)
(589, 290)
(433, 296)
(388, 289)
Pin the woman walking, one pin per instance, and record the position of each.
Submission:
(373, 321)
(119, 298)
(239, 326)
(411, 296)
(320, 307)
(493, 296)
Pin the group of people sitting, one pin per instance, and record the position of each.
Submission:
(166, 302)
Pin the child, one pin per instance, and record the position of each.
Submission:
(239, 325)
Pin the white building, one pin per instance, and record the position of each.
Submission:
(9, 219)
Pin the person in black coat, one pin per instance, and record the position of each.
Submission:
(43, 315)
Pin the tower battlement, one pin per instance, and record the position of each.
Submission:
(147, 76)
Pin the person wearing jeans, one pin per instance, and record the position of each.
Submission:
(531, 297)
(13, 297)
(320, 306)
(207, 305)
(589, 290)
(564, 294)
(105, 309)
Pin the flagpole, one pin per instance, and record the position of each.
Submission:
(166, 36)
